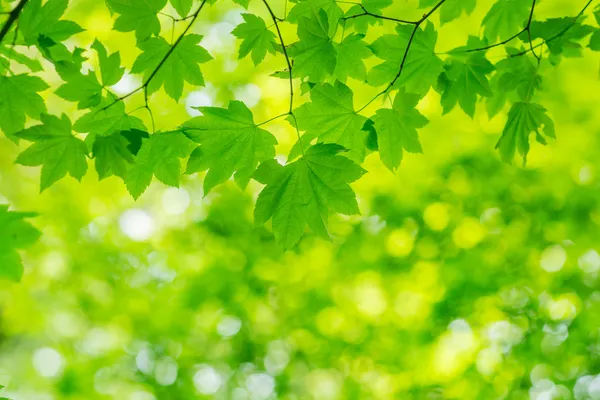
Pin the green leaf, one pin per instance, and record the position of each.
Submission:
(110, 66)
(243, 3)
(182, 7)
(55, 149)
(137, 15)
(422, 66)
(315, 9)
(12, 54)
(466, 76)
(523, 119)
(561, 35)
(513, 74)
(256, 38)
(159, 156)
(181, 66)
(330, 116)
(350, 54)
(104, 121)
(15, 234)
(397, 129)
(451, 9)
(595, 41)
(230, 142)
(81, 88)
(305, 192)
(314, 55)
(115, 153)
(19, 98)
(505, 18)
(36, 20)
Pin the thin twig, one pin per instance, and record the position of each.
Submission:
(557, 35)
(12, 17)
(405, 56)
(289, 64)
(162, 61)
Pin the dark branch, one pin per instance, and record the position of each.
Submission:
(557, 35)
(405, 56)
(370, 14)
(12, 17)
(162, 62)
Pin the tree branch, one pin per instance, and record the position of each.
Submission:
(557, 35)
(162, 61)
(405, 56)
(12, 17)
(370, 14)
(291, 78)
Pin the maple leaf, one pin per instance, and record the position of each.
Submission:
(230, 142)
(330, 116)
(305, 191)
(103, 120)
(524, 118)
(55, 149)
(19, 98)
(36, 20)
(81, 88)
(137, 15)
(182, 7)
(111, 71)
(397, 129)
(314, 55)
(15, 234)
(561, 36)
(513, 74)
(350, 54)
(422, 66)
(115, 153)
(595, 41)
(158, 156)
(316, 9)
(11, 54)
(256, 38)
(504, 19)
(181, 65)
(465, 78)
(451, 9)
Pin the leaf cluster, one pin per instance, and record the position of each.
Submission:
(325, 58)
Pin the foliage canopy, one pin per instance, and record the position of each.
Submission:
(332, 45)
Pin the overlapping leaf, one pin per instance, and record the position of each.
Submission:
(305, 192)
(330, 117)
(256, 38)
(181, 65)
(465, 79)
(230, 143)
(159, 156)
(19, 98)
(44, 20)
(15, 234)
(314, 55)
(397, 129)
(137, 15)
(422, 66)
(451, 9)
(504, 19)
(55, 149)
(523, 119)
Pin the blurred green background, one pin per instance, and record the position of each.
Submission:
(464, 278)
